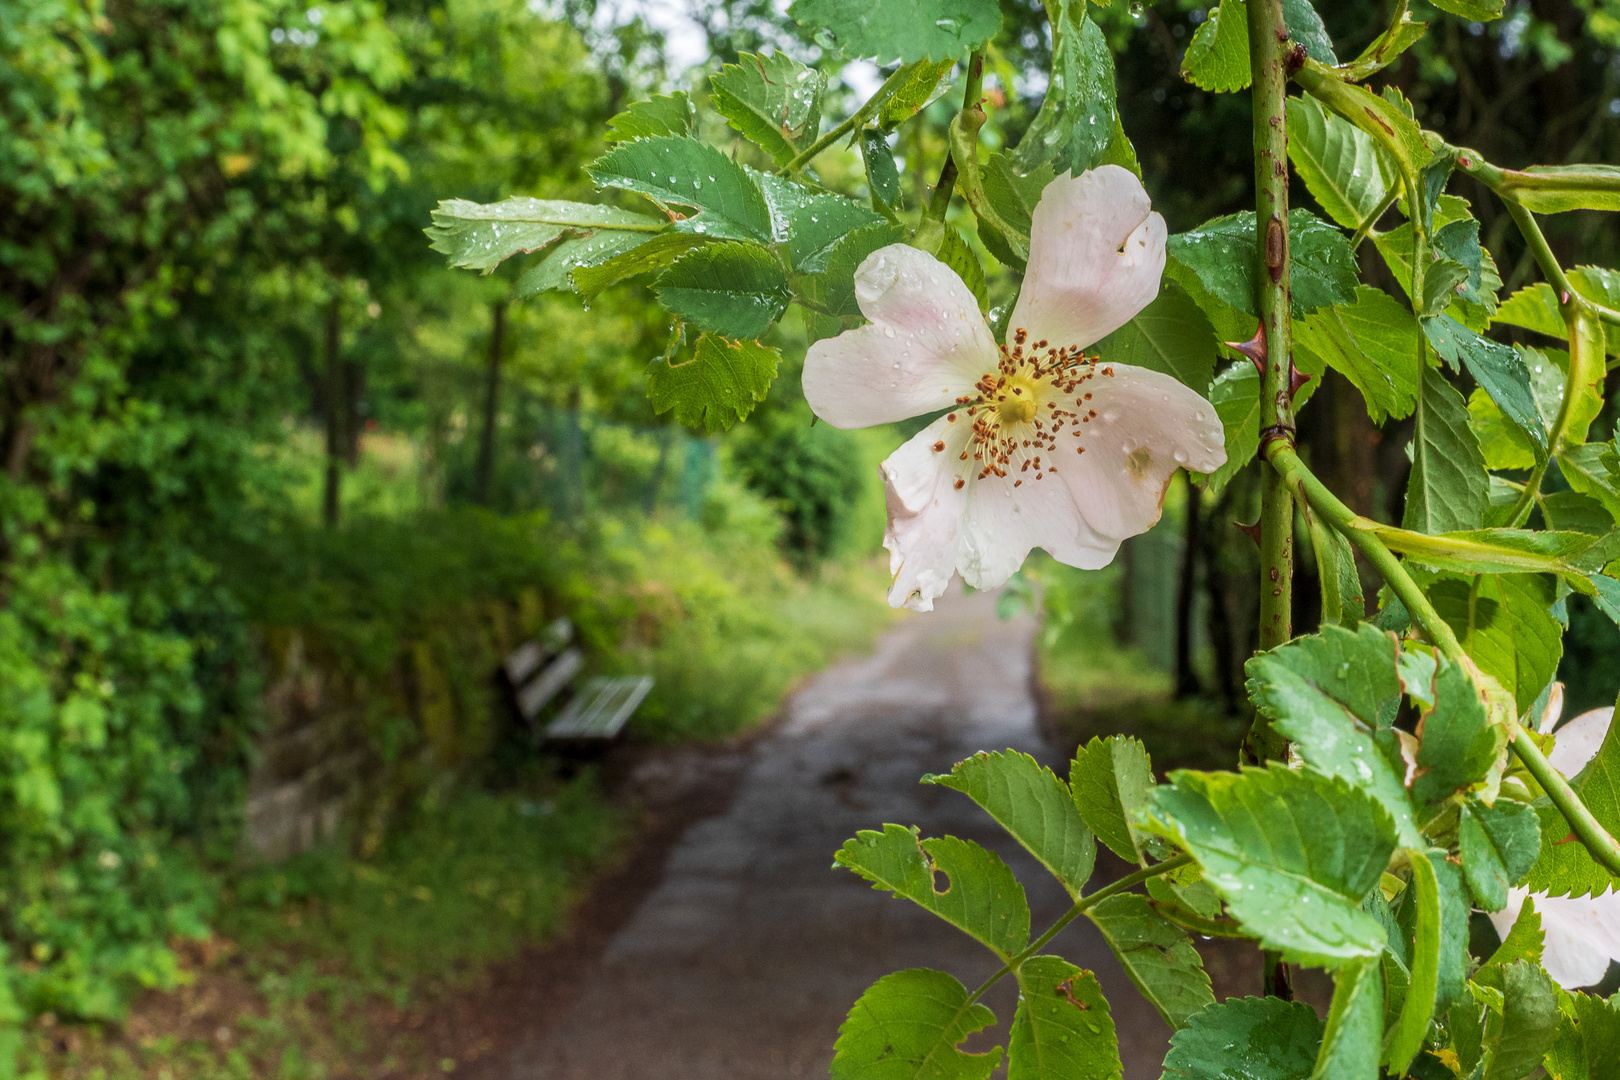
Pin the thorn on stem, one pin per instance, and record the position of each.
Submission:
(1296, 379)
(1254, 348)
(1296, 56)
(1251, 531)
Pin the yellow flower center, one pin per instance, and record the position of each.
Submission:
(1018, 411)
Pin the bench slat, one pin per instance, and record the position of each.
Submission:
(601, 709)
(533, 697)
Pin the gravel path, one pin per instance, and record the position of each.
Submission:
(741, 964)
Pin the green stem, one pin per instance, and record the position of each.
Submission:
(1268, 50)
(1591, 833)
(1586, 827)
(859, 119)
(1382, 208)
(1080, 907)
(931, 230)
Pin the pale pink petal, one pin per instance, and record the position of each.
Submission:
(1147, 426)
(1553, 709)
(1096, 253)
(1005, 522)
(1581, 934)
(1578, 741)
(927, 344)
(925, 514)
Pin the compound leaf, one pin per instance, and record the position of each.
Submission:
(1246, 1039)
(961, 882)
(1293, 854)
(910, 1026)
(772, 101)
(1111, 779)
(901, 30)
(1033, 805)
(1156, 954)
(676, 171)
(1063, 1029)
(734, 289)
(718, 386)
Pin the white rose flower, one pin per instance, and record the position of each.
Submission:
(1044, 446)
(1581, 933)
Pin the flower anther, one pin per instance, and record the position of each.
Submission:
(1043, 444)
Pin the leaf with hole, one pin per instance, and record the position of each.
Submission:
(1063, 1029)
(958, 880)
(1034, 806)
(910, 1026)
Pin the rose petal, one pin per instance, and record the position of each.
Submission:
(1581, 935)
(1578, 741)
(926, 346)
(1147, 425)
(925, 514)
(1096, 253)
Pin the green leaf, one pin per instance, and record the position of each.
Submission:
(1170, 335)
(1570, 511)
(1523, 942)
(1156, 954)
(1506, 626)
(833, 288)
(1452, 216)
(1504, 551)
(1482, 10)
(910, 1026)
(1504, 443)
(662, 114)
(1373, 343)
(1522, 1033)
(1355, 1024)
(1405, 1036)
(1567, 869)
(737, 290)
(1499, 370)
(655, 254)
(1389, 125)
(1593, 469)
(1459, 744)
(1315, 688)
(955, 253)
(1063, 1029)
(1034, 806)
(816, 228)
(1500, 843)
(1218, 57)
(1221, 252)
(890, 31)
(1013, 195)
(1111, 779)
(1447, 491)
(1385, 49)
(1453, 979)
(1554, 189)
(1075, 124)
(1246, 1039)
(563, 258)
(882, 175)
(675, 171)
(924, 84)
(1588, 1041)
(772, 101)
(718, 386)
(482, 236)
(1292, 853)
(1337, 160)
(958, 880)
(1236, 397)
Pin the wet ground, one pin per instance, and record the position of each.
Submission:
(743, 960)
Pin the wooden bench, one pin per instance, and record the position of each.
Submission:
(541, 669)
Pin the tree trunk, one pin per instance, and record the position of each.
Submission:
(335, 408)
(1186, 684)
(484, 480)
